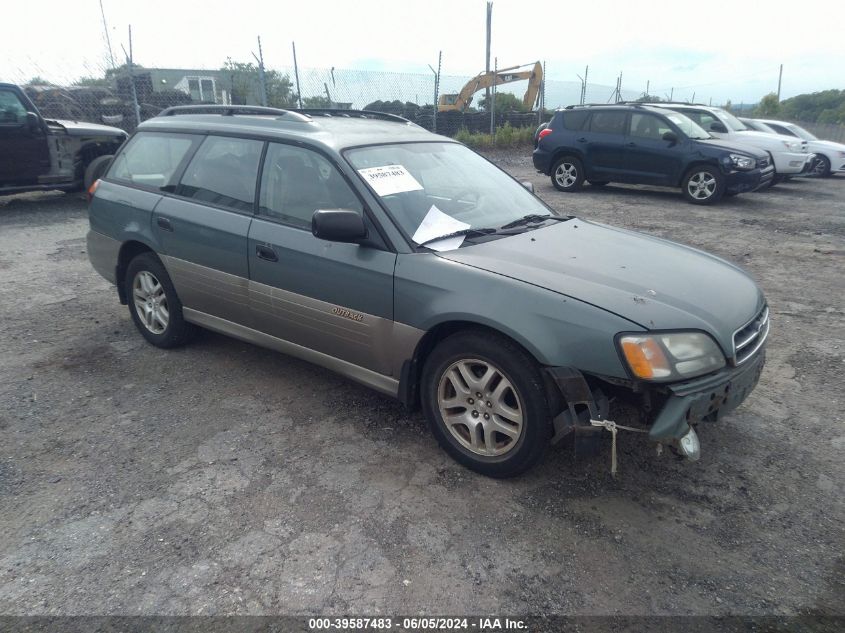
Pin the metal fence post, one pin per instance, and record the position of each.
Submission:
(493, 97)
(261, 76)
(296, 74)
(437, 87)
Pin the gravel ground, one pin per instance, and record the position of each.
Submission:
(223, 478)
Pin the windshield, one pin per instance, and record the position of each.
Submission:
(801, 132)
(687, 125)
(732, 122)
(434, 189)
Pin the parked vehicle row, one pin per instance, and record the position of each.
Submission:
(705, 151)
(828, 156)
(407, 262)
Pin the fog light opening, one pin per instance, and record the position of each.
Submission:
(689, 446)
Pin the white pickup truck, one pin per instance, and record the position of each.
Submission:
(791, 157)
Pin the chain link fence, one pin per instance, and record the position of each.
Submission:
(105, 95)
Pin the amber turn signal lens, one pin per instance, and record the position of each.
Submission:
(645, 358)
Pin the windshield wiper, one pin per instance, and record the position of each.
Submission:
(531, 218)
(466, 232)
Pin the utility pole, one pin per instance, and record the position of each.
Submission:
(296, 74)
(261, 77)
(647, 85)
(780, 77)
(487, 55)
(132, 78)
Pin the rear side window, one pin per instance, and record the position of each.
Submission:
(223, 172)
(297, 181)
(152, 159)
(781, 130)
(610, 122)
(575, 119)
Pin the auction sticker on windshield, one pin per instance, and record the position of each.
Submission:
(390, 179)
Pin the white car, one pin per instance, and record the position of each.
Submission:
(791, 156)
(829, 156)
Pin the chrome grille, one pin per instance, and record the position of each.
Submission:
(749, 338)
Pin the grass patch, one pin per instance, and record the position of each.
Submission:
(505, 136)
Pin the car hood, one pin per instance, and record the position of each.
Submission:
(82, 128)
(656, 284)
(732, 146)
(753, 136)
(826, 145)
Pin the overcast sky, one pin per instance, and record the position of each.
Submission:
(719, 50)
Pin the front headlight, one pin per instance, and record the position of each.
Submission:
(743, 162)
(671, 356)
(791, 146)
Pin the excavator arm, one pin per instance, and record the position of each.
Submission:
(463, 99)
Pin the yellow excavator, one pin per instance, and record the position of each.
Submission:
(461, 101)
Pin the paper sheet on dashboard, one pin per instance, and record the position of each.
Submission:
(437, 223)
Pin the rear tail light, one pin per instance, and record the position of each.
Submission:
(544, 133)
(92, 189)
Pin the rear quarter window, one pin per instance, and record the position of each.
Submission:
(152, 159)
(575, 119)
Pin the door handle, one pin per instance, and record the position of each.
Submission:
(582, 140)
(266, 253)
(164, 224)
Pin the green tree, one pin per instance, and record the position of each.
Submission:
(768, 107)
(244, 82)
(505, 102)
(317, 101)
(649, 99)
(38, 81)
(728, 105)
(93, 82)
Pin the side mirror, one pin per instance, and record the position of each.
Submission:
(528, 185)
(671, 137)
(718, 126)
(33, 122)
(338, 225)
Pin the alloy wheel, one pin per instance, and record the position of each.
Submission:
(480, 407)
(701, 185)
(566, 174)
(150, 302)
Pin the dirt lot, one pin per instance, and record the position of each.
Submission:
(223, 478)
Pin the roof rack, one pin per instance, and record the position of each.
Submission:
(360, 114)
(604, 105)
(225, 110)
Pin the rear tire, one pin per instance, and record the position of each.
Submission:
(567, 174)
(153, 303)
(504, 431)
(703, 184)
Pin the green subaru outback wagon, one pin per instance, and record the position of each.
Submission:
(401, 259)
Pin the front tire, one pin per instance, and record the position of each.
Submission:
(486, 404)
(819, 167)
(703, 185)
(153, 303)
(567, 174)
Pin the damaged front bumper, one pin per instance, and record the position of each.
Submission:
(682, 405)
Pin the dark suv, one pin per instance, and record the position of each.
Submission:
(638, 144)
